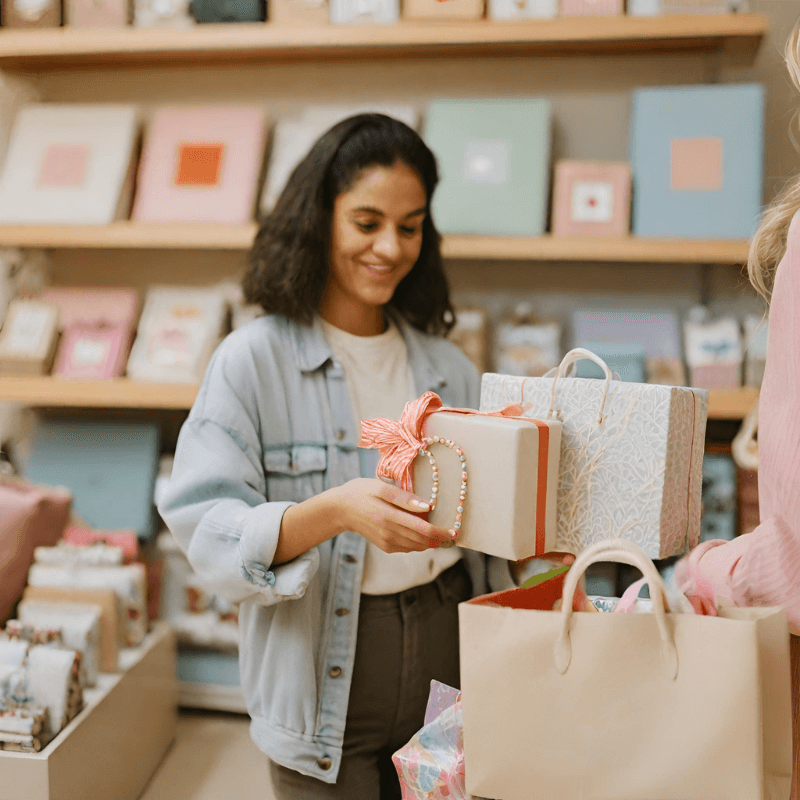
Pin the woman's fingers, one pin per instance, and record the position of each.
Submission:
(402, 499)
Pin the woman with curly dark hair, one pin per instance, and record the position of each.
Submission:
(347, 595)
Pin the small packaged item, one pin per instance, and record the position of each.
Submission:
(522, 9)
(70, 555)
(591, 198)
(524, 346)
(229, 10)
(23, 724)
(126, 541)
(96, 13)
(443, 9)
(29, 337)
(471, 334)
(713, 352)
(31, 13)
(178, 330)
(172, 14)
(298, 12)
(491, 479)
(344, 12)
(570, 8)
(644, 8)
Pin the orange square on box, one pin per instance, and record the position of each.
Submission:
(199, 164)
(696, 164)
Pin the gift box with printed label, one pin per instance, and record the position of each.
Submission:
(490, 478)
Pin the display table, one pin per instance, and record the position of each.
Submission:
(112, 748)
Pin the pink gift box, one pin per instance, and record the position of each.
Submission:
(591, 198)
(125, 540)
(724, 375)
(201, 164)
(93, 306)
(591, 7)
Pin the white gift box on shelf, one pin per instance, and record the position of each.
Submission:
(178, 331)
(512, 468)
(79, 625)
(631, 455)
(644, 8)
(714, 353)
(522, 9)
(344, 12)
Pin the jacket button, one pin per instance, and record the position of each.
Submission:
(342, 612)
(350, 559)
(324, 763)
(340, 434)
(335, 672)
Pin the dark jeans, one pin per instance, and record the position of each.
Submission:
(405, 640)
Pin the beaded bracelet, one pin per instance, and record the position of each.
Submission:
(462, 495)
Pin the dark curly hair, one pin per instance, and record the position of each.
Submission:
(288, 264)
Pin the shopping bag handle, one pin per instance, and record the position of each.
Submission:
(623, 552)
(576, 355)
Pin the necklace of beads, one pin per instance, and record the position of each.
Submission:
(462, 495)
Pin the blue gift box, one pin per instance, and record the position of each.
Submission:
(110, 468)
(697, 158)
(627, 360)
(493, 158)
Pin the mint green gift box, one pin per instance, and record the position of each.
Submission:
(493, 158)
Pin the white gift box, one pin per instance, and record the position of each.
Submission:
(343, 12)
(631, 455)
(522, 9)
(512, 469)
(714, 353)
(79, 625)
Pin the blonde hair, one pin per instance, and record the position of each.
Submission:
(769, 242)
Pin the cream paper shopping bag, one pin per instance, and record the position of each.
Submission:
(648, 706)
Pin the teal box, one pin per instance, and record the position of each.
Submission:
(110, 468)
(626, 360)
(697, 156)
(493, 158)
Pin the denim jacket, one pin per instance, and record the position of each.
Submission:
(273, 425)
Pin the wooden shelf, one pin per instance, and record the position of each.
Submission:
(731, 403)
(132, 235)
(48, 392)
(737, 35)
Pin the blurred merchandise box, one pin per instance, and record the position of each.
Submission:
(29, 337)
(171, 14)
(229, 10)
(69, 164)
(749, 514)
(522, 9)
(344, 12)
(704, 6)
(719, 520)
(201, 164)
(755, 344)
(626, 360)
(31, 13)
(582, 8)
(526, 347)
(298, 12)
(494, 158)
(96, 13)
(471, 334)
(443, 9)
(644, 8)
(14, 94)
(98, 327)
(697, 155)
(591, 198)
(178, 331)
(714, 353)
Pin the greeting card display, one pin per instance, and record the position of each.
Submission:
(697, 154)
(714, 353)
(522, 9)
(591, 198)
(98, 327)
(201, 164)
(293, 137)
(494, 162)
(29, 337)
(178, 330)
(490, 479)
(69, 164)
(631, 455)
(591, 7)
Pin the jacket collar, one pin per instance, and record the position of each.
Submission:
(311, 351)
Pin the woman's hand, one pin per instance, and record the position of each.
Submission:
(387, 516)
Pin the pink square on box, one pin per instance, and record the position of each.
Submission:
(93, 352)
(177, 185)
(63, 166)
(591, 198)
(696, 164)
(582, 8)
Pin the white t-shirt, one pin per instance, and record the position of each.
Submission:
(380, 382)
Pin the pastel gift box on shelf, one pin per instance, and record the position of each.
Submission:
(471, 334)
(522, 9)
(96, 13)
(98, 327)
(626, 360)
(714, 353)
(345, 12)
(298, 12)
(524, 345)
(69, 164)
(31, 13)
(631, 455)
(571, 8)
(443, 9)
(29, 337)
(492, 479)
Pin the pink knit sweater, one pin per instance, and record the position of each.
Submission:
(762, 568)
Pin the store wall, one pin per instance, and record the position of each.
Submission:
(591, 101)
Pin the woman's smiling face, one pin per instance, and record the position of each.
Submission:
(376, 238)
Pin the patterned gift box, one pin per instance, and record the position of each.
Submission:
(591, 198)
(697, 155)
(522, 9)
(631, 456)
(591, 7)
(494, 161)
(201, 164)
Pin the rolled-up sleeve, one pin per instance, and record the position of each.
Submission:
(216, 506)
